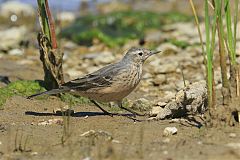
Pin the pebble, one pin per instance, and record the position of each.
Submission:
(155, 111)
(15, 7)
(141, 104)
(166, 140)
(66, 16)
(168, 49)
(16, 52)
(170, 131)
(154, 36)
(159, 79)
(11, 37)
(74, 73)
(105, 58)
(169, 95)
(34, 153)
(50, 122)
(161, 104)
(232, 135)
(87, 158)
(234, 145)
(163, 66)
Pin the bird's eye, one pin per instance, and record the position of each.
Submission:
(140, 53)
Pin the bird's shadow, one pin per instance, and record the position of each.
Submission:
(76, 114)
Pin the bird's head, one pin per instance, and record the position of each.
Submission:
(138, 55)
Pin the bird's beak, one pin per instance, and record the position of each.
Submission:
(154, 52)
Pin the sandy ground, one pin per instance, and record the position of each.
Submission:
(118, 138)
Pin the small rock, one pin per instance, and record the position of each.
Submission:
(51, 121)
(147, 75)
(155, 111)
(16, 52)
(190, 100)
(99, 133)
(168, 95)
(15, 7)
(70, 45)
(34, 153)
(232, 135)
(170, 131)
(180, 84)
(159, 79)
(166, 68)
(168, 49)
(105, 57)
(74, 73)
(161, 104)
(87, 158)
(234, 145)
(66, 16)
(141, 104)
(200, 142)
(166, 140)
(154, 36)
(10, 38)
(162, 66)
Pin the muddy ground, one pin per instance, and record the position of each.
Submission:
(26, 132)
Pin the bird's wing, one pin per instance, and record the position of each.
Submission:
(100, 78)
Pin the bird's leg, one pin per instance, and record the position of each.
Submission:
(104, 111)
(129, 110)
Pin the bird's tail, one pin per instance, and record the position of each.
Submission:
(50, 92)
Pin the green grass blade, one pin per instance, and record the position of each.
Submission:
(209, 56)
(235, 24)
(229, 32)
(43, 18)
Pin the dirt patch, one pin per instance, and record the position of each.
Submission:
(22, 136)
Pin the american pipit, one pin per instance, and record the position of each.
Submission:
(111, 83)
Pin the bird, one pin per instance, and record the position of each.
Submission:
(111, 83)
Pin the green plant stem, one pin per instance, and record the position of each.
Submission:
(222, 50)
(46, 22)
(235, 23)
(209, 58)
(43, 18)
(230, 37)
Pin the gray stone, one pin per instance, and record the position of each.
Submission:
(15, 7)
(170, 131)
(10, 38)
(165, 68)
(155, 36)
(168, 48)
(142, 104)
(159, 79)
(190, 100)
(16, 52)
(155, 111)
(66, 16)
